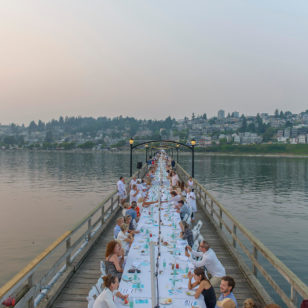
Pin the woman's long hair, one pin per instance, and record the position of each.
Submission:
(110, 247)
(200, 272)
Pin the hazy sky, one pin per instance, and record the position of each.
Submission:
(151, 58)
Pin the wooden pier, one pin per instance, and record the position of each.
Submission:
(62, 275)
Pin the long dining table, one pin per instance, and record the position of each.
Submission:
(172, 282)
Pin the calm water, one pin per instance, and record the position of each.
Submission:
(44, 194)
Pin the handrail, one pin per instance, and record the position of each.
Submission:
(295, 283)
(16, 284)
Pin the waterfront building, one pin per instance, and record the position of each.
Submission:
(302, 139)
(221, 114)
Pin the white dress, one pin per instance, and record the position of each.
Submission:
(191, 200)
(131, 196)
(121, 237)
(190, 183)
(105, 300)
(121, 189)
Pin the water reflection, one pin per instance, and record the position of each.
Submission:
(268, 195)
(44, 194)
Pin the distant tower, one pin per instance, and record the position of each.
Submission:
(236, 114)
(221, 114)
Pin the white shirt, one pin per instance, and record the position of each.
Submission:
(176, 199)
(190, 183)
(105, 300)
(132, 182)
(210, 261)
(131, 196)
(121, 188)
(174, 180)
(191, 200)
(122, 237)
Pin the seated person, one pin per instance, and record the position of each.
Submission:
(117, 228)
(114, 259)
(125, 208)
(227, 298)
(183, 209)
(106, 298)
(131, 226)
(125, 238)
(132, 211)
(205, 288)
(186, 234)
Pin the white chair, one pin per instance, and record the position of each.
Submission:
(195, 245)
(186, 217)
(103, 268)
(200, 238)
(99, 285)
(195, 234)
(198, 226)
(93, 294)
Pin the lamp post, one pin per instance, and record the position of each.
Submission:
(177, 153)
(146, 152)
(131, 142)
(193, 143)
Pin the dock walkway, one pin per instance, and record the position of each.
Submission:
(75, 292)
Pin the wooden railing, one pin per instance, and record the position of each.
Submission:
(38, 284)
(226, 224)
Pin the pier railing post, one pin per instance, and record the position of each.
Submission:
(212, 208)
(89, 229)
(234, 233)
(30, 285)
(292, 294)
(111, 203)
(68, 257)
(255, 254)
(103, 214)
(220, 221)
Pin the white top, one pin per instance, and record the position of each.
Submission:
(105, 300)
(176, 199)
(210, 261)
(132, 182)
(132, 197)
(191, 201)
(121, 187)
(174, 180)
(190, 183)
(122, 237)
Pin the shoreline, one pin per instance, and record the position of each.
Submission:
(197, 153)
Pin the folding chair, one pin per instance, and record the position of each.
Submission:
(99, 285)
(93, 294)
(103, 268)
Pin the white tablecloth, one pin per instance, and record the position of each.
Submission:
(171, 283)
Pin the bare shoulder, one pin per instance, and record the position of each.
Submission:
(205, 284)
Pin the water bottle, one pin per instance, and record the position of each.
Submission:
(164, 264)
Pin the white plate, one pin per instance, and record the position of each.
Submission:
(191, 292)
(165, 302)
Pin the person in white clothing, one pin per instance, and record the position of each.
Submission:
(209, 260)
(124, 238)
(132, 182)
(191, 201)
(175, 179)
(190, 182)
(133, 195)
(106, 298)
(121, 190)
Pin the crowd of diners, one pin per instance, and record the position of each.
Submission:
(208, 271)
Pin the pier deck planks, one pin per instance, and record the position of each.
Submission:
(76, 291)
